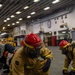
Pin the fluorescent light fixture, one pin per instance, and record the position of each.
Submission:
(32, 13)
(17, 22)
(3, 27)
(8, 25)
(50, 32)
(0, 5)
(12, 16)
(5, 20)
(28, 16)
(26, 7)
(46, 8)
(8, 18)
(18, 12)
(55, 1)
(20, 19)
(63, 32)
(36, 0)
(3, 33)
(13, 23)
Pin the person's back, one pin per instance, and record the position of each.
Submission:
(1, 49)
(5, 58)
(1, 54)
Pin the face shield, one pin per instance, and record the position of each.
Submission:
(33, 53)
(64, 50)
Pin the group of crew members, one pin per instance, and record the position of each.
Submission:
(34, 58)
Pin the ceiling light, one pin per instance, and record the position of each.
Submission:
(8, 18)
(12, 16)
(3, 27)
(8, 25)
(63, 32)
(5, 20)
(17, 22)
(0, 5)
(36, 0)
(56, 1)
(13, 23)
(18, 12)
(32, 13)
(46, 8)
(20, 19)
(28, 16)
(26, 7)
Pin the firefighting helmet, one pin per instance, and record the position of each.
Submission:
(32, 41)
(9, 48)
(64, 44)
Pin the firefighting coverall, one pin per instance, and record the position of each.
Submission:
(70, 56)
(23, 65)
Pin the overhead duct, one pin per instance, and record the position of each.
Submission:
(57, 14)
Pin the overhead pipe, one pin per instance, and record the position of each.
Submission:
(18, 8)
(8, 8)
(2, 18)
(67, 11)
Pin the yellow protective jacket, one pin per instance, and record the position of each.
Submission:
(23, 65)
(68, 58)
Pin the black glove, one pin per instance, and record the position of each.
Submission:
(71, 73)
(46, 65)
(65, 72)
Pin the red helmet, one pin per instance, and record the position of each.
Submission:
(64, 44)
(32, 41)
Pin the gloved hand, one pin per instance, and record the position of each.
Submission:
(65, 72)
(46, 65)
(71, 73)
